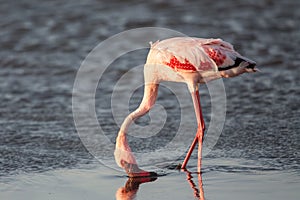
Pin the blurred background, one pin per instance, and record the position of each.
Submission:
(42, 44)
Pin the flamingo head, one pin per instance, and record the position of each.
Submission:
(229, 62)
(240, 65)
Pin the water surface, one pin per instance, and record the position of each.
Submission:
(42, 45)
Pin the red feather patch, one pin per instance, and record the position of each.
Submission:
(215, 55)
(176, 64)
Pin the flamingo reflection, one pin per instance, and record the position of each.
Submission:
(198, 193)
(128, 192)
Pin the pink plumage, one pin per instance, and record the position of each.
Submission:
(203, 54)
(181, 59)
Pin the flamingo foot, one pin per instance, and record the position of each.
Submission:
(133, 171)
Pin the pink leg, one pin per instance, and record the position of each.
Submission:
(200, 131)
(189, 153)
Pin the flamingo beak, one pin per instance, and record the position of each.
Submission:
(248, 64)
(251, 67)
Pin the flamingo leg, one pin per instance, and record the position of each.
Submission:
(200, 131)
(189, 153)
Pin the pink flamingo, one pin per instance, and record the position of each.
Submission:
(181, 59)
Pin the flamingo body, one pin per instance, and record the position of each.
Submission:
(181, 59)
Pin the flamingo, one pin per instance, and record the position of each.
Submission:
(188, 60)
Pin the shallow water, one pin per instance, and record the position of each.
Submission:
(43, 44)
(101, 183)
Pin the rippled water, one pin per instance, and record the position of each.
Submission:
(43, 44)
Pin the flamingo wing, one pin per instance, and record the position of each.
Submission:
(192, 54)
(182, 54)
